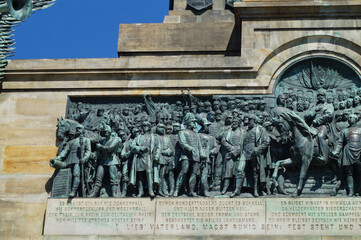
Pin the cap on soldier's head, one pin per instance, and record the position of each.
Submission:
(353, 117)
(106, 128)
(204, 121)
(251, 116)
(178, 103)
(176, 124)
(135, 129)
(218, 112)
(236, 119)
(267, 123)
(121, 132)
(146, 123)
(321, 92)
(188, 118)
(160, 125)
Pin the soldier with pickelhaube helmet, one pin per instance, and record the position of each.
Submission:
(217, 127)
(210, 149)
(216, 130)
(174, 139)
(165, 161)
(125, 159)
(186, 109)
(95, 122)
(232, 142)
(216, 105)
(76, 152)
(178, 107)
(245, 107)
(108, 160)
(255, 149)
(207, 107)
(238, 103)
(223, 108)
(322, 117)
(146, 153)
(349, 146)
(189, 142)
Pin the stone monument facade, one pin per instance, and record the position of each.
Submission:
(233, 118)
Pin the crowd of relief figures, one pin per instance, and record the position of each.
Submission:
(216, 145)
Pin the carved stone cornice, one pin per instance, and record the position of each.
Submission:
(296, 9)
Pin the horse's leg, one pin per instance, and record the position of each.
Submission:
(280, 163)
(306, 160)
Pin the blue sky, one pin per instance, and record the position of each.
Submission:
(82, 28)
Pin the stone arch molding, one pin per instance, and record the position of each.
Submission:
(293, 51)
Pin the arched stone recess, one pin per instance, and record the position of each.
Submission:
(302, 80)
(288, 54)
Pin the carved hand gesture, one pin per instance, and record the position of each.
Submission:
(143, 149)
(83, 160)
(256, 152)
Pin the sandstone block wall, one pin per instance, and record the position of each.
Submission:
(34, 92)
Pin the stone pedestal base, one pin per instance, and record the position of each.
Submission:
(204, 216)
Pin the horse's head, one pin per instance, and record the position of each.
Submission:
(284, 129)
(64, 126)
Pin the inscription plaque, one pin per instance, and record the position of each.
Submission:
(62, 184)
(210, 217)
(313, 216)
(99, 217)
(204, 216)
